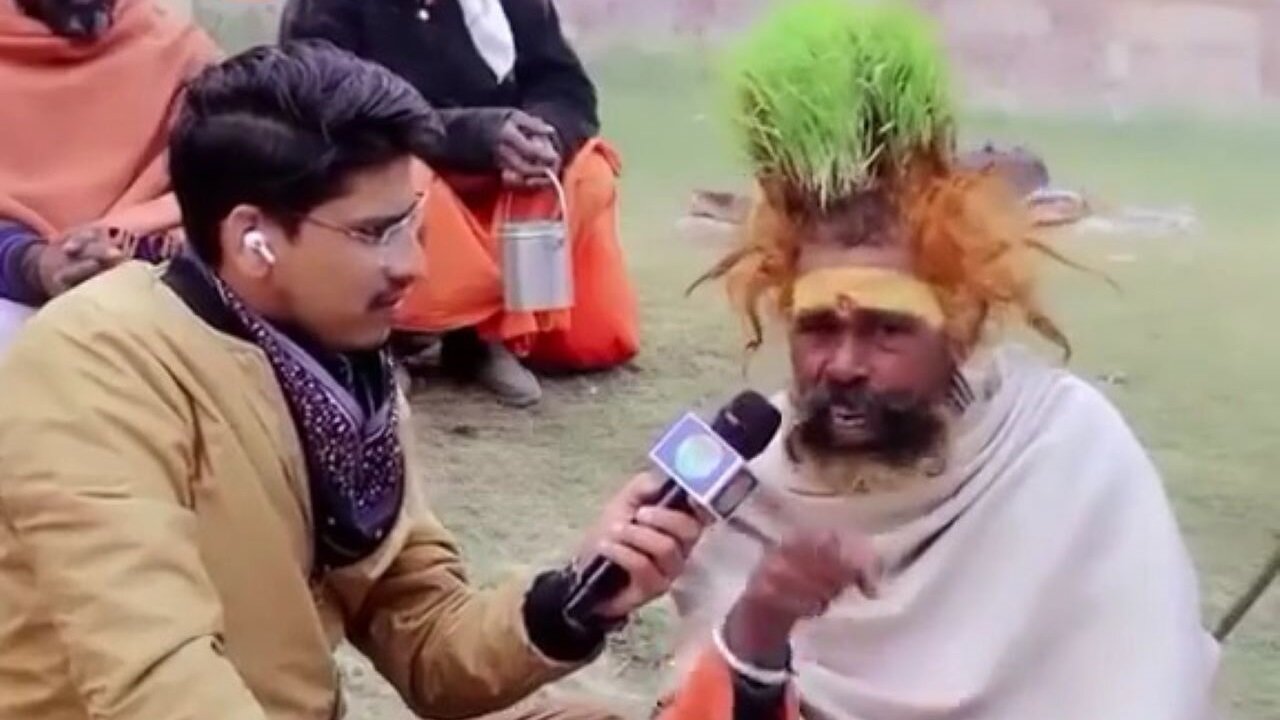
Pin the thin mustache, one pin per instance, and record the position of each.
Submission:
(388, 298)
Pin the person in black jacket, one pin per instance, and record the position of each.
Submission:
(518, 108)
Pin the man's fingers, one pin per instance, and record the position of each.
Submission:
(512, 179)
(862, 562)
(815, 558)
(76, 272)
(833, 562)
(531, 144)
(536, 181)
(858, 550)
(533, 125)
(81, 239)
(510, 159)
(868, 585)
(663, 551)
(542, 159)
(645, 576)
(822, 583)
(639, 491)
(104, 251)
(651, 557)
(685, 528)
(795, 595)
(646, 484)
(521, 144)
(801, 578)
(545, 153)
(73, 243)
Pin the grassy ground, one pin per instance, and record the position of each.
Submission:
(1192, 335)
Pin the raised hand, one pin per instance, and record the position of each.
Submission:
(795, 580)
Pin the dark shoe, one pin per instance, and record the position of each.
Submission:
(462, 355)
(416, 352)
(466, 358)
(512, 382)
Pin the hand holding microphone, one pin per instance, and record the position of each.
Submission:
(653, 526)
(647, 544)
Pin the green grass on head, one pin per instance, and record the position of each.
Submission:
(826, 91)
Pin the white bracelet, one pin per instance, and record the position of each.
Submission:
(751, 672)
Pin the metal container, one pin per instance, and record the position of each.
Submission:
(537, 273)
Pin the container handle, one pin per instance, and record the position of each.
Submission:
(561, 197)
(560, 194)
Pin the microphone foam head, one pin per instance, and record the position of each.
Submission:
(748, 423)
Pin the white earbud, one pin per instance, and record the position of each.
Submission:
(256, 242)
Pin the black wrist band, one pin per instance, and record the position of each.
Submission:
(551, 631)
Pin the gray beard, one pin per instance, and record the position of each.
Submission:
(824, 472)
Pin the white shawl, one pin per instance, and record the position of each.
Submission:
(1040, 577)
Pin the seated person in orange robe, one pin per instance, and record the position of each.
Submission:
(510, 58)
(88, 88)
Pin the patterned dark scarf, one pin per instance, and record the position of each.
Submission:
(346, 416)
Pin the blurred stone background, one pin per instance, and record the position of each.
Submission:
(1018, 55)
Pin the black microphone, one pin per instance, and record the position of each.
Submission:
(703, 464)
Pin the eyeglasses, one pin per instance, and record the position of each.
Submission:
(402, 229)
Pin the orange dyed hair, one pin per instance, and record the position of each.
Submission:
(970, 237)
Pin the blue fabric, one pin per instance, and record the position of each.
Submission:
(15, 241)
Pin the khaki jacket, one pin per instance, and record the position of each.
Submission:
(155, 540)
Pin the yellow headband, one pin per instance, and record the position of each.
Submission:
(867, 287)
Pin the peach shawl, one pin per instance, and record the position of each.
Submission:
(85, 126)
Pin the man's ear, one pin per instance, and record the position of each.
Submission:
(247, 241)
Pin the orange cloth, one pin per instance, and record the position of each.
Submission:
(462, 286)
(707, 694)
(85, 126)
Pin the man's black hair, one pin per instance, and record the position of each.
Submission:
(283, 128)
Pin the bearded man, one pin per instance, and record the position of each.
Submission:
(947, 527)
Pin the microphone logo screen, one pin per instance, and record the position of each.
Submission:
(697, 457)
(693, 455)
